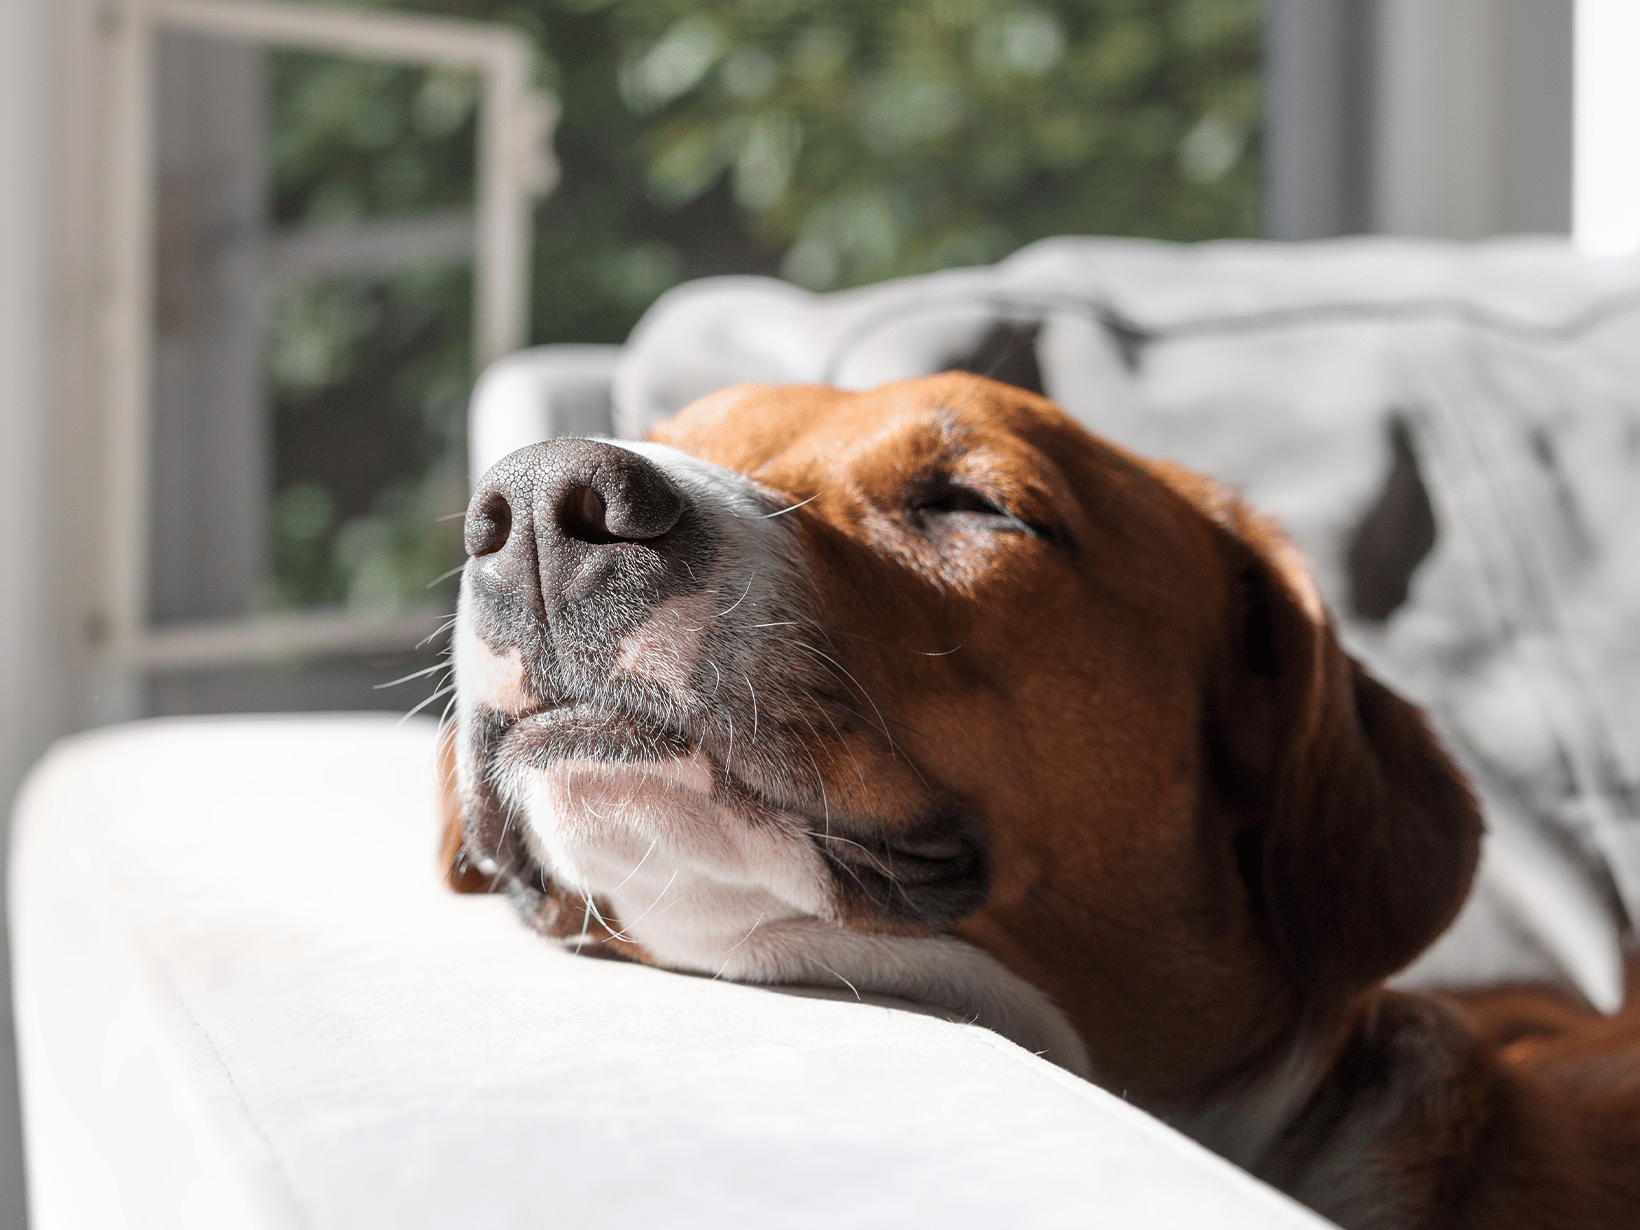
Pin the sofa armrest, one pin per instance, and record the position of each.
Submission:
(245, 998)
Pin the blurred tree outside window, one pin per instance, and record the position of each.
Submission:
(368, 372)
(833, 143)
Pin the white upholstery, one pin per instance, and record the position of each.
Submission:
(244, 999)
(536, 394)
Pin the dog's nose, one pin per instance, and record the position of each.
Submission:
(590, 492)
(548, 511)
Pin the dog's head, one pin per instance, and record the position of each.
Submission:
(927, 678)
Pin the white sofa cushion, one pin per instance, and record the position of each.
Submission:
(245, 999)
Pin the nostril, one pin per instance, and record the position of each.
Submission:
(584, 517)
(489, 525)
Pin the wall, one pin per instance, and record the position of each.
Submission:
(1474, 118)
(51, 230)
(1405, 117)
(30, 712)
(1319, 63)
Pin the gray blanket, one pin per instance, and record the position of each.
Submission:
(1450, 433)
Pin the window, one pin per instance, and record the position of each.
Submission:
(320, 228)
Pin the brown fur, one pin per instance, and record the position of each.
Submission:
(458, 873)
(1211, 835)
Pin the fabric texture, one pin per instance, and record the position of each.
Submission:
(245, 999)
(1451, 434)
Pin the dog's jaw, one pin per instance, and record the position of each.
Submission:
(702, 890)
(683, 875)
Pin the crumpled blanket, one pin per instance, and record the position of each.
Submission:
(1451, 434)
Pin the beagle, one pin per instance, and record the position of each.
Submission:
(927, 692)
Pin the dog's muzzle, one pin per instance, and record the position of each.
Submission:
(574, 543)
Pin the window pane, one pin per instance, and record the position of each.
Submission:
(368, 381)
(313, 329)
(368, 376)
(350, 139)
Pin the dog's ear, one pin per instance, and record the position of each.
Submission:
(1355, 833)
(458, 873)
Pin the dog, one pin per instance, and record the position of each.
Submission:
(927, 692)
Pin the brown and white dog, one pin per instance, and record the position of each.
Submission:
(928, 692)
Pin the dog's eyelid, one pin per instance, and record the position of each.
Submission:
(961, 489)
(1025, 527)
(955, 497)
(947, 494)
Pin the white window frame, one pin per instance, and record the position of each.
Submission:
(514, 165)
(1605, 163)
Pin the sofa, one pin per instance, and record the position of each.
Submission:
(244, 996)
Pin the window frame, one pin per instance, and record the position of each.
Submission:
(514, 165)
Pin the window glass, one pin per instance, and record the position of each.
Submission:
(313, 329)
(370, 168)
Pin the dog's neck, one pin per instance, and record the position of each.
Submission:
(1363, 1148)
(1410, 1109)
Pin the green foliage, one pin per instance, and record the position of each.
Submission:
(836, 142)
(350, 139)
(872, 138)
(368, 377)
(844, 141)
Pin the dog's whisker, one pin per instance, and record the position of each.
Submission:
(847, 747)
(866, 718)
(625, 931)
(506, 822)
(749, 582)
(444, 716)
(842, 674)
(781, 512)
(762, 914)
(729, 756)
(442, 692)
(880, 726)
(437, 632)
(886, 868)
(611, 933)
(842, 980)
(752, 692)
(426, 670)
(639, 864)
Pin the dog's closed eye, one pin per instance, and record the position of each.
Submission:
(946, 500)
(952, 504)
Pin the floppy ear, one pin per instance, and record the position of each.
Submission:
(1358, 835)
(458, 873)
